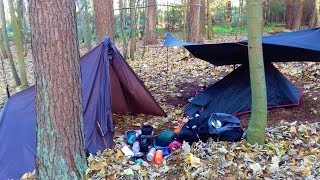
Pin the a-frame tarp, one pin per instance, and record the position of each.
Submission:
(108, 85)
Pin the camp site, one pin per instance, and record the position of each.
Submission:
(160, 89)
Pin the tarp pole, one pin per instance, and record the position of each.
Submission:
(5, 78)
(102, 134)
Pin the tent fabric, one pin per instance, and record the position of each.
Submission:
(285, 47)
(232, 94)
(108, 85)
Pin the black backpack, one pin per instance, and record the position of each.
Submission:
(201, 128)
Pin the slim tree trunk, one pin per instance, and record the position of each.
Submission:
(228, 12)
(313, 18)
(289, 14)
(7, 45)
(19, 12)
(185, 20)
(80, 21)
(18, 44)
(202, 19)
(298, 16)
(258, 121)
(151, 21)
(60, 147)
(133, 28)
(104, 18)
(318, 12)
(262, 16)
(209, 20)
(122, 15)
(86, 24)
(193, 21)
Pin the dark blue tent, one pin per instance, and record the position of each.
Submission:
(233, 93)
(108, 84)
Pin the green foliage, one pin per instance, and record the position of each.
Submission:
(225, 29)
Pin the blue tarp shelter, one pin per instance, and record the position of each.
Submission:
(232, 94)
(108, 85)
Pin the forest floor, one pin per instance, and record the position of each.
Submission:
(172, 76)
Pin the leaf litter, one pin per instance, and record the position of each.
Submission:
(291, 150)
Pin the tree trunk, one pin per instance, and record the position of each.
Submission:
(104, 18)
(262, 16)
(122, 15)
(60, 147)
(18, 44)
(318, 12)
(258, 121)
(228, 12)
(290, 14)
(19, 12)
(185, 20)
(86, 23)
(298, 15)
(193, 21)
(7, 45)
(80, 21)
(133, 28)
(209, 20)
(202, 19)
(313, 18)
(151, 21)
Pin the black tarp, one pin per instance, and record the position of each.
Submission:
(285, 47)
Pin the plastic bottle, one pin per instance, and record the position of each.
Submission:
(178, 130)
(136, 147)
(151, 153)
(158, 157)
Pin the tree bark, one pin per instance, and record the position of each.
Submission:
(209, 20)
(133, 28)
(18, 41)
(313, 19)
(318, 12)
(7, 45)
(258, 121)
(202, 19)
(151, 21)
(290, 14)
(122, 15)
(60, 147)
(86, 23)
(193, 21)
(298, 15)
(104, 18)
(228, 12)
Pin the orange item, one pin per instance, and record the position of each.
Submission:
(158, 157)
(178, 130)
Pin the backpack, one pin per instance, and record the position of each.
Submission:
(205, 127)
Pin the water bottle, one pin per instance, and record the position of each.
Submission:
(151, 153)
(158, 157)
(136, 147)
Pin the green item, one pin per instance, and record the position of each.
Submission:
(165, 138)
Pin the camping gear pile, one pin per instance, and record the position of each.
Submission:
(142, 145)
